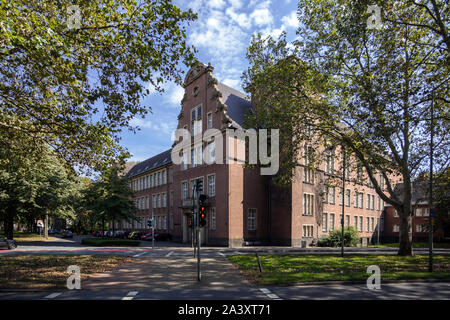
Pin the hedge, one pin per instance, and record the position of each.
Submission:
(109, 242)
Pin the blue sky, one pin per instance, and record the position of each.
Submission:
(221, 35)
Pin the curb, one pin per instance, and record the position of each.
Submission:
(348, 282)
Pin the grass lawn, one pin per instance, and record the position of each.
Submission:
(290, 269)
(49, 271)
(436, 245)
(31, 237)
(105, 242)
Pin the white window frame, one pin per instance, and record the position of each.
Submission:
(211, 187)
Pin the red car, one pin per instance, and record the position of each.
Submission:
(148, 236)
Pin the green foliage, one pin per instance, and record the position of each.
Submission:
(76, 88)
(334, 239)
(367, 90)
(109, 199)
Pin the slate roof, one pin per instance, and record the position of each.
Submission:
(152, 163)
(419, 191)
(237, 102)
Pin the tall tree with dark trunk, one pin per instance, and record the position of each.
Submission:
(367, 89)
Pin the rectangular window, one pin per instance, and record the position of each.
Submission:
(308, 204)
(212, 185)
(329, 163)
(213, 218)
(368, 201)
(372, 222)
(151, 180)
(147, 202)
(251, 224)
(211, 152)
(372, 203)
(332, 195)
(341, 196)
(164, 200)
(154, 201)
(325, 194)
(347, 198)
(361, 200)
(209, 120)
(184, 190)
(308, 175)
(396, 228)
(163, 177)
(331, 221)
(159, 200)
(360, 224)
(308, 231)
(171, 199)
(367, 224)
(159, 222)
(355, 222)
(172, 222)
(347, 221)
(165, 222)
(324, 222)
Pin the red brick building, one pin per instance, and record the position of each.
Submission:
(243, 205)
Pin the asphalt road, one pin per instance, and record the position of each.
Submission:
(172, 276)
(391, 291)
(162, 249)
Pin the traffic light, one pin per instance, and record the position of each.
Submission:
(202, 209)
(199, 184)
(150, 223)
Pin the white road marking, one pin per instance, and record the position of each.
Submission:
(169, 254)
(130, 295)
(139, 254)
(270, 294)
(53, 295)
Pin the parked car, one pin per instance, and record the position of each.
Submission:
(119, 234)
(163, 236)
(66, 234)
(148, 236)
(135, 235)
(7, 244)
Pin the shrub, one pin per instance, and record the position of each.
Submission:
(351, 238)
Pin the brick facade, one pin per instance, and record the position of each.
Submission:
(247, 206)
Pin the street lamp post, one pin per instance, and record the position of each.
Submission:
(343, 201)
(431, 211)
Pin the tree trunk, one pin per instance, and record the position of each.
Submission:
(405, 246)
(9, 225)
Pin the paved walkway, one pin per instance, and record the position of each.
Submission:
(170, 273)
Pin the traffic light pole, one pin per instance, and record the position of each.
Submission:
(153, 231)
(199, 275)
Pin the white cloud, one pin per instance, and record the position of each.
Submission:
(261, 17)
(237, 4)
(234, 83)
(160, 126)
(217, 4)
(290, 21)
(240, 18)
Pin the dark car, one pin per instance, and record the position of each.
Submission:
(163, 236)
(67, 234)
(7, 244)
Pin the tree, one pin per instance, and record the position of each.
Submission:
(368, 90)
(34, 187)
(109, 198)
(73, 77)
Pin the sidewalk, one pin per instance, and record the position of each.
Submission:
(172, 273)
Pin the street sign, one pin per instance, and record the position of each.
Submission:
(40, 223)
(432, 214)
